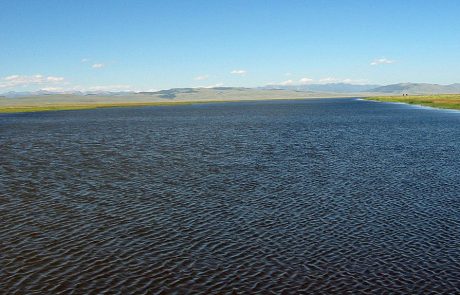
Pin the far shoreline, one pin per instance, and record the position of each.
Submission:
(171, 97)
(74, 103)
(12, 109)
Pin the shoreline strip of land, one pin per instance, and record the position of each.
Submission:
(188, 96)
(446, 101)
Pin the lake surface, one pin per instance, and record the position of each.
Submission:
(313, 196)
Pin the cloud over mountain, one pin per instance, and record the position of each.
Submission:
(24, 80)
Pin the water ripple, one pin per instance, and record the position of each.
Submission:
(328, 196)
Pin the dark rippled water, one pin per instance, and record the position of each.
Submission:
(268, 197)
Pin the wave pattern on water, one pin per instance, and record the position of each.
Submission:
(269, 197)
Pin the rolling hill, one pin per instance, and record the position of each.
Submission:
(418, 88)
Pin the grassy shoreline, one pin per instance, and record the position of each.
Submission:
(92, 106)
(442, 101)
(448, 101)
(83, 106)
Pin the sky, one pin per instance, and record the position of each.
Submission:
(146, 45)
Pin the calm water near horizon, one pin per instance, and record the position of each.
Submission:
(312, 196)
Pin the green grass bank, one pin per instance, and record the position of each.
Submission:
(447, 101)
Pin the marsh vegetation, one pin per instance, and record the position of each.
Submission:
(446, 101)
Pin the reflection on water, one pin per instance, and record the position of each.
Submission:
(293, 196)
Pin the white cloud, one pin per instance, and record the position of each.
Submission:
(382, 61)
(355, 81)
(327, 80)
(287, 74)
(302, 81)
(15, 77)
(306, 80)
(52, 89)
(53, 84)
(238, 72)
(97, 88)
(215, 85)
(339, 80)
(114, 88)
(201, 78)
(98, 66)
(54, 79)
(83, 60)
(24, 81)
(286, 83)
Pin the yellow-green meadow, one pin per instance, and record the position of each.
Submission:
(446, 101)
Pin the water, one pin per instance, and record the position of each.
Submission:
(267, 197)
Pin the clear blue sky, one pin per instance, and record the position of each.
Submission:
(141, 45)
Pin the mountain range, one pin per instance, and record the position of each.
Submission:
(329, 87)
(321, 89)
(418, 88)
(400, 88)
